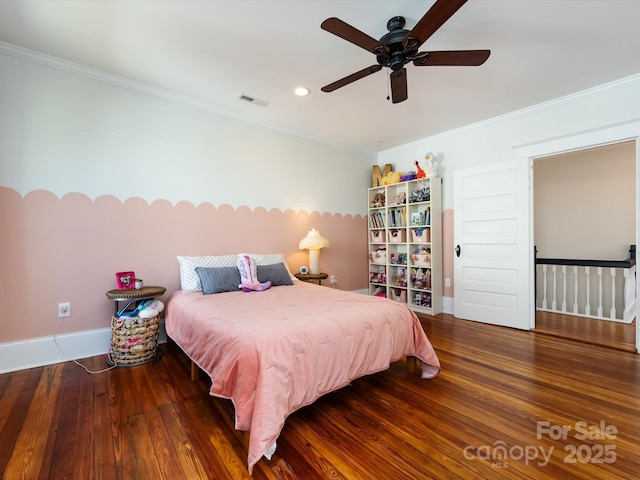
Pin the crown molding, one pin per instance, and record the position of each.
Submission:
(99, 75)
(119, 81)
(516, 114)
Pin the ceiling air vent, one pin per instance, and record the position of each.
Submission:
(255, 101)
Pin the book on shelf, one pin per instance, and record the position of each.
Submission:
(396, 217)
(376, 220)
(403, 217)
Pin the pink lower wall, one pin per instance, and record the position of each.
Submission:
(68, 249)
(447, 251)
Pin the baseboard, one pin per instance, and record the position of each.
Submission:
(38, 352)
(447, 305)
(447, 302)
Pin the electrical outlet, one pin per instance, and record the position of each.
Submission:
(64, 310)
(333, 280)
(447, 282)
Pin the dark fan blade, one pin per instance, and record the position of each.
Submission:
(467, 58)
(440, 12)
(351, 78)
(351, 34)
(399, 85)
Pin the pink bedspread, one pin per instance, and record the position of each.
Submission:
(276, 351)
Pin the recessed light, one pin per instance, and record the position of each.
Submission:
(302, 91)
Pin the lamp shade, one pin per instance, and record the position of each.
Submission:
(314, 242)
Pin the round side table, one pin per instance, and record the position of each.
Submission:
(144, 293)
(311, 277)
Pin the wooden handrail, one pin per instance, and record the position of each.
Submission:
(628, 263)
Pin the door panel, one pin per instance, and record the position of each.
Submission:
(491, 226)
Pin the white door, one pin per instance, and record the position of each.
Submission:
(493, 257)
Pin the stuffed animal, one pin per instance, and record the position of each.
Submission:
(378, 200)
(420, 173)
(431, 169)
(399, 199)
(391, 178)
(417, 278)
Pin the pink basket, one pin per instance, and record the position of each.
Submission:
(397, 236)
(420, 236)
(399, 295)
(377, 237)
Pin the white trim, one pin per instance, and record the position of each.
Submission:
(119, 81)
(38, 352)
(101, 76)
(515, 114)
(604, 136)
(590, 139)
(447, 305)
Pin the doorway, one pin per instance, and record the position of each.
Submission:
(608, 136)
(579, 199)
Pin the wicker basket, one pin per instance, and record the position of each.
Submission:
(133, 340)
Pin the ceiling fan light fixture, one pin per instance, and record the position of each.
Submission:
(301, 91)
(399, 47)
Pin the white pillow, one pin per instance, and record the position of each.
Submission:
(190, 281)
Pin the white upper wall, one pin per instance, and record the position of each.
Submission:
(97, 138)
(64, 133)
(495, 140)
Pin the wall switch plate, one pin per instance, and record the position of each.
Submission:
(64, 310)
(447, 282)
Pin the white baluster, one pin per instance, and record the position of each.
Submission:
(544, 287)
(599, 270)
(553, 302)
(587, 308)
(564, 288)
(613, 294)
(575, 289)
(629, 294)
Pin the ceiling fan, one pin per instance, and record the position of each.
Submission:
(399, 47)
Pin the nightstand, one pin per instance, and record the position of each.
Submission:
(311, 277)
(134, 340)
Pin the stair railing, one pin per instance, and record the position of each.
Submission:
(602, 289)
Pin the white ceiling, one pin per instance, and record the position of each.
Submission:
(211, 51)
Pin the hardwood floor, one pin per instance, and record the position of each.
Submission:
(498, 388)
(597, 332)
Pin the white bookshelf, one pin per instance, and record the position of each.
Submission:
(405, 243)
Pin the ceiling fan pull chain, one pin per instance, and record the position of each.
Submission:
(388, 80)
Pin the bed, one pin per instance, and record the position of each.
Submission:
(275, 351)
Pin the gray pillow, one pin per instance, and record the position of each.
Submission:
(277, 273)
(219, 279)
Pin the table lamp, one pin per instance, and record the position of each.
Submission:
(313, 242)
